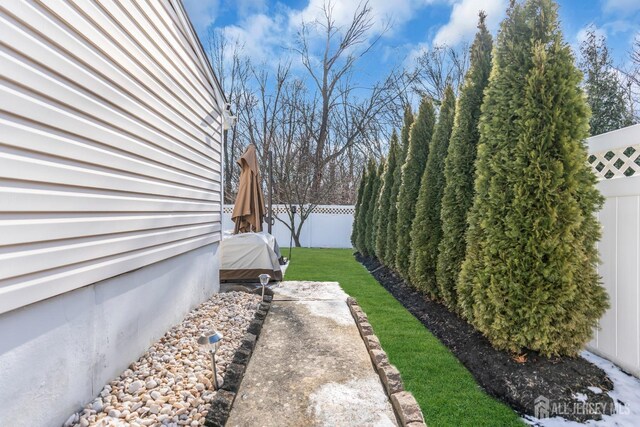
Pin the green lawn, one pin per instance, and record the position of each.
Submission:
(446, 391)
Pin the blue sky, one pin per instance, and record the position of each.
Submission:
(266, 27)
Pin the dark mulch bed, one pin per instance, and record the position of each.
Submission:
(517, 384)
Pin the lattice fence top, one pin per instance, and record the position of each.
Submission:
(616, 163)
(335, 209)
(320, 209)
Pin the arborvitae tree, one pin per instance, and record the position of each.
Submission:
(427, 227)
(354, 228)
(606, 96)
(363, 214)
(459, 166)
(384, 202)
(510, 62)
(412, 170)
(529, 279)
(374, 211)
(392, 244)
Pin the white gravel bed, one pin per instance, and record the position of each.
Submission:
(171, 384)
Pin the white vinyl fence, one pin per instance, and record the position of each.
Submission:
(328, 226)
(615, 157)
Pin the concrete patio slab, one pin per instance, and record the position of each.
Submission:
(310, 366)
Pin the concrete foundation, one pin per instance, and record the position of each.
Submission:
(57, 354)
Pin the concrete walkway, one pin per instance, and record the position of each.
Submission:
(310, 366)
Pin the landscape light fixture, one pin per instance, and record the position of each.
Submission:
(210, 343)
(264, 280)
(294, 209)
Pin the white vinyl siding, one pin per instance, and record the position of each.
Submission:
(110, 143)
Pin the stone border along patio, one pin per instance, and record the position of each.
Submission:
(404, 404)
(221, 405)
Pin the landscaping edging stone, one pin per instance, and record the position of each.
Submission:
(222, 404)
(405, 406)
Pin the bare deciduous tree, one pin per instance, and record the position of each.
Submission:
(438, 67)
(346, 111)
(320, 124)
(233, 70)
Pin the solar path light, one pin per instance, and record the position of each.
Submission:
(264, 280)
(210, 343)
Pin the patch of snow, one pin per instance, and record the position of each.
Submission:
(337, 311)
(360, 402)
(304, 290)
(580, 397)
(625, 394)
(596, 390)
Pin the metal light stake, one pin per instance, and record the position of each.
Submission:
(264, 280)
(211, 342)
(294, 209)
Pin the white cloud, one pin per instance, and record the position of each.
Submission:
(266, 36)
(384, 12)
(414, 53)
(582, 33)
(620, 26)
(626, 6)
(464, 20)
(260, 35)
(581, 36)
(202, 13)
(248, 7)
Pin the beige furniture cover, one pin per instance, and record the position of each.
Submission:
(247, 255)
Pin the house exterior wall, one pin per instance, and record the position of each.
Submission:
(57, 354)
(618, 336)
(110, 144)
(110, 193)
